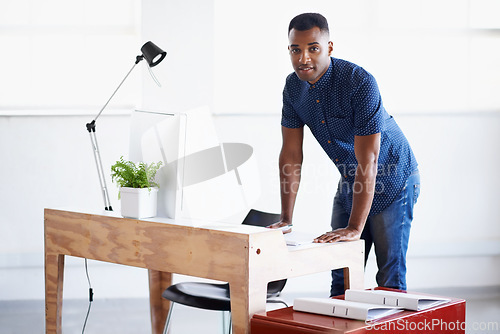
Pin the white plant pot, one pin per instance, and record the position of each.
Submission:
(138, 202)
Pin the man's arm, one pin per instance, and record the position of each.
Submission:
(366, 149)
(290, 164)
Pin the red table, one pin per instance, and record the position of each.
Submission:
(445, 318)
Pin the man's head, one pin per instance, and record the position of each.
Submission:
(308, 21)
(309, 46)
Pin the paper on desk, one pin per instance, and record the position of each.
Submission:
(297, 238)
(410, 301)
(344, 309)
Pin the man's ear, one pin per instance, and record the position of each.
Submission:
(330, 48)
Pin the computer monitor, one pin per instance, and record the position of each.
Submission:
(200, 178)
(159, 136)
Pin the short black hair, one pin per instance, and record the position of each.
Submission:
(308, 21)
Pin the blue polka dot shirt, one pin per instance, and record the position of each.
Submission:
(345, 102)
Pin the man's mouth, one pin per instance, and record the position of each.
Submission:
(305, 68)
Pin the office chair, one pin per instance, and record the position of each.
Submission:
(215, 296)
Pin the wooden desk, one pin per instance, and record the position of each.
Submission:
(247, 257)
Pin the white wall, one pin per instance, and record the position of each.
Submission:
(212, 51)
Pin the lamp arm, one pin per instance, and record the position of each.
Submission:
(100, 170)
(95, 148)
(117, 88)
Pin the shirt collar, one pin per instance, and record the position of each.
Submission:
(325, 78)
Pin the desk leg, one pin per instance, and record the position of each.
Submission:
(246, 299)
(159, 306)
(354, 276)
(54, 273)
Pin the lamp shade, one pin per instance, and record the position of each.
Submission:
(153, 54)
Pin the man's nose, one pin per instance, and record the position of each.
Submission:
(304, 57)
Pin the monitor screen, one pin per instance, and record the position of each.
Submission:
(200, 178)
(158, 136)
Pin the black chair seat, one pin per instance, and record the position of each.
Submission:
(208, 296)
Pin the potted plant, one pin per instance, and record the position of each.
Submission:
(138, 189)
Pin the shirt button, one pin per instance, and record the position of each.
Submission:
(317, 101)
(336, 160)
(329, 142)
(322, 122)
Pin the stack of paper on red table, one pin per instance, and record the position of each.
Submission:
(367, 305)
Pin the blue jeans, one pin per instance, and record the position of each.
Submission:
(389, 231)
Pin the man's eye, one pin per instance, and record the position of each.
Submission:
(294, 51)
(314, 49)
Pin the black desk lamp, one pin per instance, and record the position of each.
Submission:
(153, 55)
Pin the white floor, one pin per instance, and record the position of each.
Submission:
(130, 316)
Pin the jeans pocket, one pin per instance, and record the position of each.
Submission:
(416, 192)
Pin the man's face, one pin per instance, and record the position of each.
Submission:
(310, 53)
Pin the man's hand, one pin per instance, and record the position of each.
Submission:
(284, 226)
(340, 234)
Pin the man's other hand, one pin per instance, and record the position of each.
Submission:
(284, 226)
(340, 234)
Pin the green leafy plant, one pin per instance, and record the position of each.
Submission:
(129, 174)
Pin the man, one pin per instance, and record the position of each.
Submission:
(379, 185)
